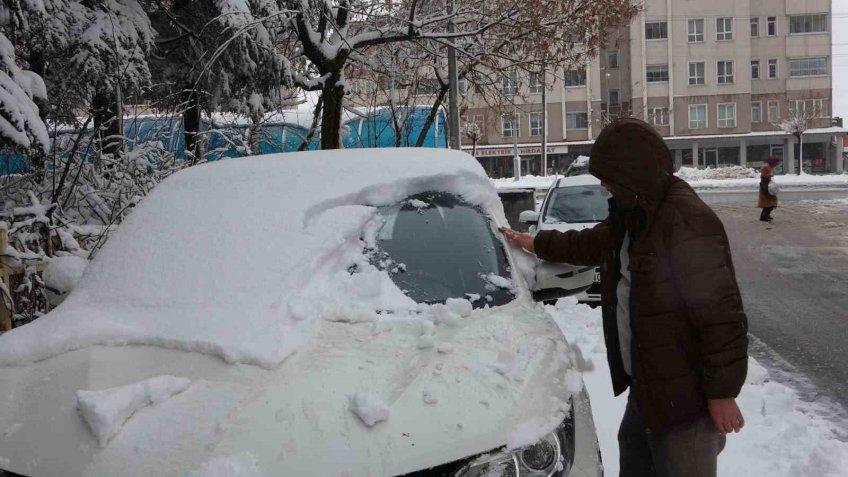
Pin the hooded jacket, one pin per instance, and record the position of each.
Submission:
(766, 176)
(689, 329)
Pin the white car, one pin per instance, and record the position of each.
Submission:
(328, 313)
(572, 203)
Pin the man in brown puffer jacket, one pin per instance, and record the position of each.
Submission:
(675, 329)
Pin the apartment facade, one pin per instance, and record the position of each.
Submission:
(716, 78)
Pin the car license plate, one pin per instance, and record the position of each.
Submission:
(597, 276)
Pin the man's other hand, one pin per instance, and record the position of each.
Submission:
(519, 239)
(726, 415)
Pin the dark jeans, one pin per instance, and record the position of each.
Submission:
(688, 450)
(766, 213)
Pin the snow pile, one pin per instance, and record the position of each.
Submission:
(242, 465)
(63, 273)
(369, 408)
(782, 435)
(107, 410)
(691, 174)
(253, 255)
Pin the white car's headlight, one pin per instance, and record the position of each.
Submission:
(553, 456)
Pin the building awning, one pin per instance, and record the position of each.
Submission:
(529, 149)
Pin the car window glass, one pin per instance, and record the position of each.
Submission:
(436, 246)
(577, 204)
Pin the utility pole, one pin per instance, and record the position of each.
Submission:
(516, 159)
(453, 90)
(544, 121)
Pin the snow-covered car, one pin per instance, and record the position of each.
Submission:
(328, 313)
(572, 203)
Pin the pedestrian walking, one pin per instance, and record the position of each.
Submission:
(767, 198)
(674, 325)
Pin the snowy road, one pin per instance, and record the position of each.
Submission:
(793, 194)
(792, 277)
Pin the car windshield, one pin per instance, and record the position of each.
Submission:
(577, 204)
(435, 246)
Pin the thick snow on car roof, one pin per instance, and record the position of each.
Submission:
(581, 180)
(242, 258)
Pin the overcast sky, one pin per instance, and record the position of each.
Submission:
(840, 58)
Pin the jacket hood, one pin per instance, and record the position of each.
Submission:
(631, 155)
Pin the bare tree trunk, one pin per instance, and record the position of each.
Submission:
(319, 107)
(331, 119)
(58, 191)
(191, 123)
(431, 118)
(107, 124)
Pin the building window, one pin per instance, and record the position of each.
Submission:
(697, 116)
(535, 85)
(462, 86)
(724, 28)
(807, 24)
(536, 123)
(656, 31)
(755, 69)
(509, 84)
(576, 120)
(757, 112)
(696, 30)
(724, 70)
(772, 68)
(774, 111)
(575, 77)
(771, 26)
(510, 125)
(658, 116)
(614, 98)
(427, 86)
(816, 66)
(697, 73)
(612, 59)
(656, 73)
(727, 115)
(755, 26)
(810, 108)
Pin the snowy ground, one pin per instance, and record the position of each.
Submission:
(783, 436)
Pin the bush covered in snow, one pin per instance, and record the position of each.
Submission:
(69, 211)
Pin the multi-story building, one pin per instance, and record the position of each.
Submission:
(716, 78)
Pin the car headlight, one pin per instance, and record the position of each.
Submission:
(552, 456)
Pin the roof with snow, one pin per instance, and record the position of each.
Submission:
(237, 258)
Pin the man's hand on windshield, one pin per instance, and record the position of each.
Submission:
(519, 239)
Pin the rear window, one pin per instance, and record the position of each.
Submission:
(577, 204)
(436, 246)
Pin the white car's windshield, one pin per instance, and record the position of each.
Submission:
(577, 204)
(437, 246)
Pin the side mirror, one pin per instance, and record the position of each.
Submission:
(529, 217)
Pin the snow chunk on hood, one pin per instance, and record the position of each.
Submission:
(242, 259)
(107, 410)
(369, 408)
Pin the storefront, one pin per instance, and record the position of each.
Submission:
(498, 160)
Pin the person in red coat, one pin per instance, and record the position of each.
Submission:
(766, 200)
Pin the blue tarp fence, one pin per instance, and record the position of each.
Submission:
(375, 129)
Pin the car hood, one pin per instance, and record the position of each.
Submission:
(497, 375)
